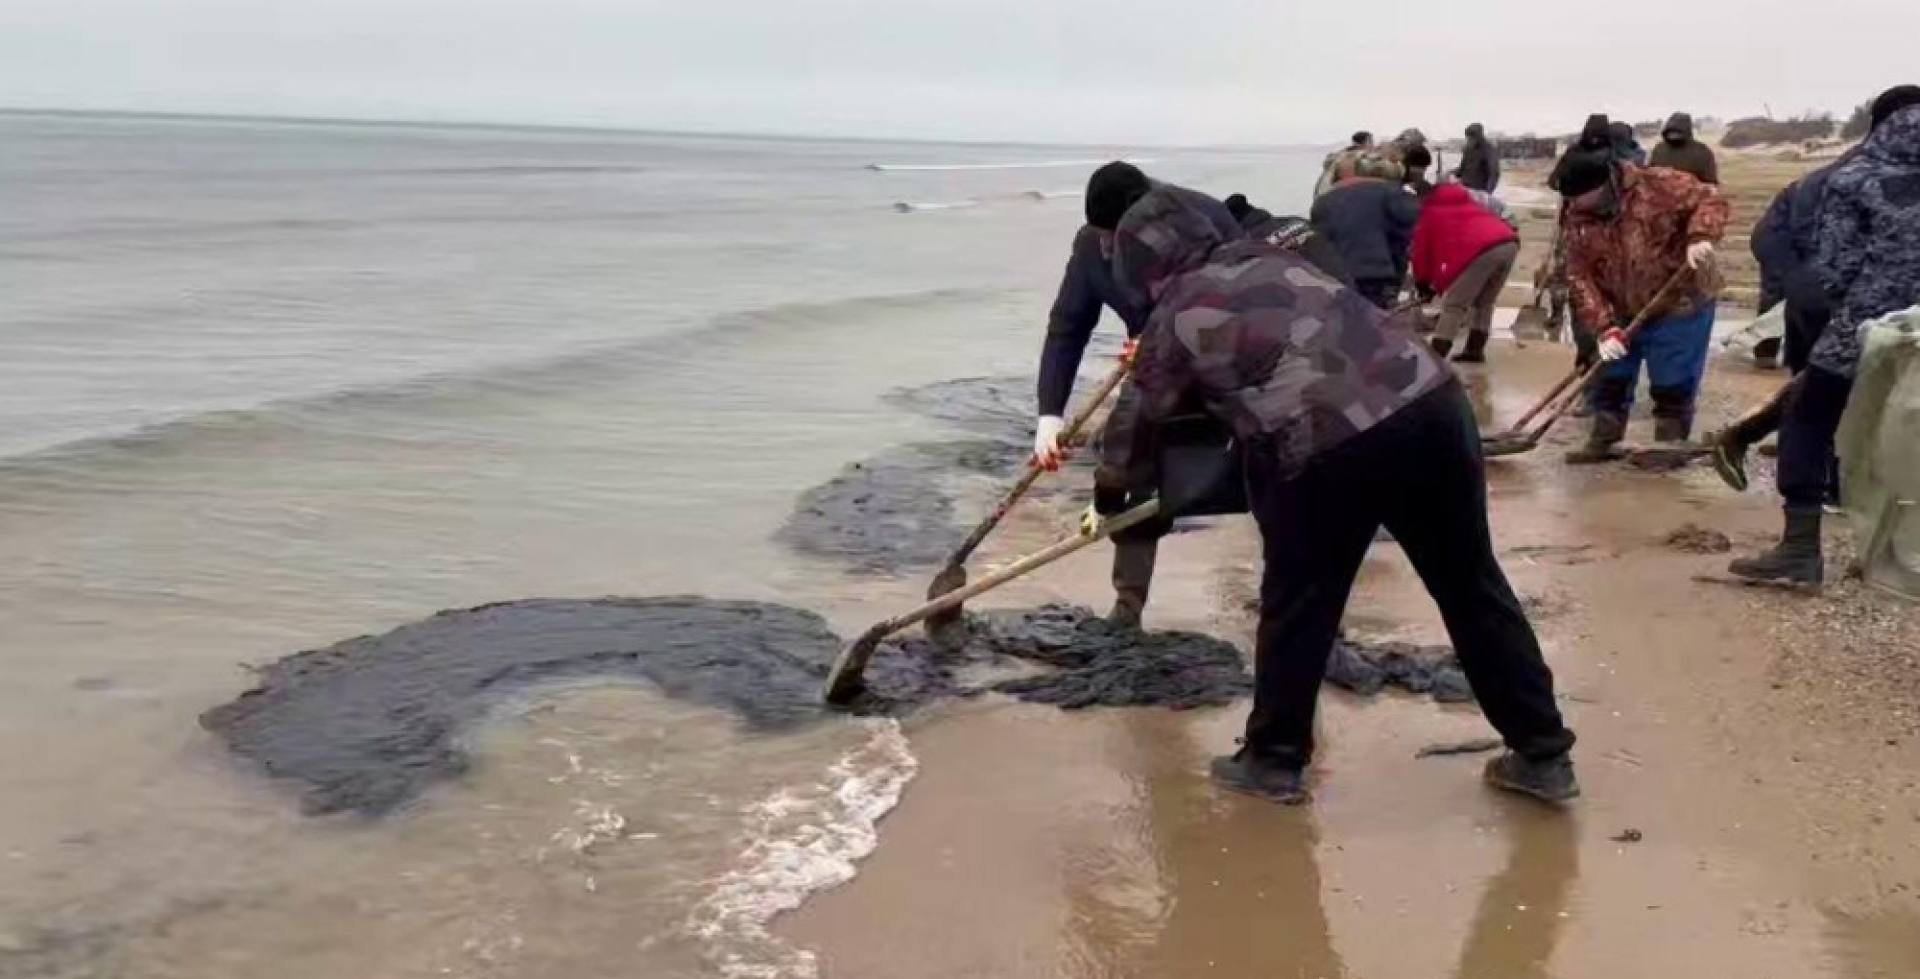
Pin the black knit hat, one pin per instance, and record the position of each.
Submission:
(1238, 206)
(1585, 172)
(1111, 190)
(1893, 100)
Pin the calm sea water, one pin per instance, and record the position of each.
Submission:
(268, 386)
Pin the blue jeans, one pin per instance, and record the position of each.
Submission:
(1674, 351)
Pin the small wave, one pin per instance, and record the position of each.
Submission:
(565, 367)
(801, 842)
(911, 207)
(1030, 165)
(1051, 195)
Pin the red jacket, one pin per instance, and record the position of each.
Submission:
(1453, 231)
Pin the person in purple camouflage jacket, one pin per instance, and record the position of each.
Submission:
(1347, 423)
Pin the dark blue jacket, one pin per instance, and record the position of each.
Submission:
(1370, 222)
(1086, 288)
(1785, 240)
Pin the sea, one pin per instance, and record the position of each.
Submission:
(270, 385)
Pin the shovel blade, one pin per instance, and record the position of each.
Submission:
(1507, 444)
(846, 680)
(1531, 324)
(949, 580)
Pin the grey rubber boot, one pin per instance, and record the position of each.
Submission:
(1603, 443)
(1796, 560)
(1133, 563)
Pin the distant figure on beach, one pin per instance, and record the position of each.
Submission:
(1630, 230)
(1463, 253)
(1339, 413)
(1679, 150)
(1086, 288)
(1867, 255)
(1596, 137)
(1336, 162)
(1369, 218)
(1479, 162)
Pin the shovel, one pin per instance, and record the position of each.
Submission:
(844, 682)
(1518, 439)
(953, 576)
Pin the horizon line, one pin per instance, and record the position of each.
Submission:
(590, 129)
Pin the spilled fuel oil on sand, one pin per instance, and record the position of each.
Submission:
(367, 724)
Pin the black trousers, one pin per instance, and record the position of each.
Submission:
(1421, 475)
(1806, 437)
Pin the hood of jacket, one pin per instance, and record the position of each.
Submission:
(1477, 133)
(1597, 134)
(1681, 123)
(1897, 140)
(1166, 234)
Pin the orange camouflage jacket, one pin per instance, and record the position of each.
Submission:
(1616, 266)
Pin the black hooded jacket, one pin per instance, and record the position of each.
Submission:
(1479, 162)
(1596, 137)
(1686, 154)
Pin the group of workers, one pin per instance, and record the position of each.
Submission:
(1348, 422)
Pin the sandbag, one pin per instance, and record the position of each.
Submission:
(1879, 448)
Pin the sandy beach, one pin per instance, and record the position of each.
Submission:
(1750, 809)
(1748, 757)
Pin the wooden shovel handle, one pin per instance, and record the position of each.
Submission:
(1034, 470)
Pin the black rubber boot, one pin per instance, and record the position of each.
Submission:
(1133, 563)
(1730, 455)
(1796, 560)
(1603, 444)
(1549, 780)
(1243, 773)
(1672, 414)
(1475, 351)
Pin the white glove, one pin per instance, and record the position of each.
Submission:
(1698, 254)
(1613, 345)
(1048, 453)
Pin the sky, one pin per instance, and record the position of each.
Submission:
(1053, 71)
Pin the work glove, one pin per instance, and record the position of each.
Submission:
(1048, 450)
(1106, 503)
(1699, 254)
(1613, 345)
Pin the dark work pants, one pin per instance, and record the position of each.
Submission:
(1806, 437)
(1384, 293)
(1420, 474)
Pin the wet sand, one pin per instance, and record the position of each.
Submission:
(1774, 837)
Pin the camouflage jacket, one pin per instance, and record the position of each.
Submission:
(1868, 242)
(1616, 266)
(1257, 335)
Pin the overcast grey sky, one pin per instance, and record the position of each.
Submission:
(1259, 71)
